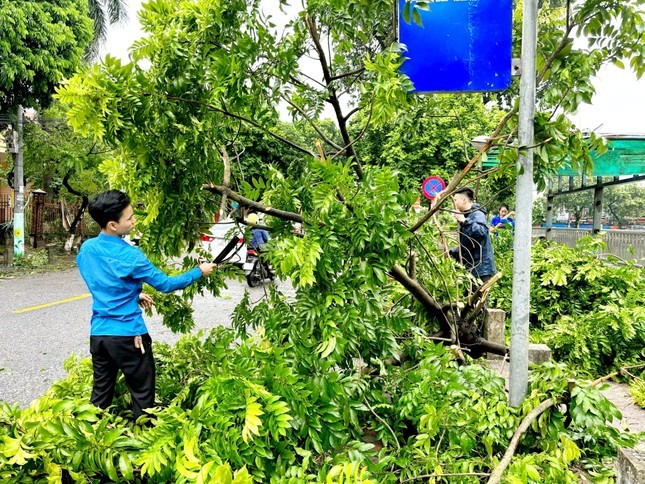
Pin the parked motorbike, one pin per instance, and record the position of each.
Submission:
(256, 270)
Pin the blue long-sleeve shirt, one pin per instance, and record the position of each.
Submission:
(259, 237)
(114, 272)
(499, 220)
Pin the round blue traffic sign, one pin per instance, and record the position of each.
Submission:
(431, 186)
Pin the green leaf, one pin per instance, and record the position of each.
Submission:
(327, 347)
(242, 476)
(252, 422)
(406, 12)
(110, 469)
(125, 466)
(532, 472)
(223, 474)
(416, 16)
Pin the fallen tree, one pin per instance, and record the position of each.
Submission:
(171, 136)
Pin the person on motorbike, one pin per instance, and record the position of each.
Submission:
(259, 237)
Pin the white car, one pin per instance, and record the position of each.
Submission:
(224, 242)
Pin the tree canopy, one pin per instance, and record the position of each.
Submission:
(41, 43)
(437, 143)
(55, 156)
(215, 70)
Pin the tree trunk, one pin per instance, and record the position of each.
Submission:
(69, 243)
(73, 226)
(451, 321)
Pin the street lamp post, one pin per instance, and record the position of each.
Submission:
(520, 305)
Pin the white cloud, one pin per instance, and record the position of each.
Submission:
(617, 107)
(121, 37)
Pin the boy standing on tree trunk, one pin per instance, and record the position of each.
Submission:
(114, 272)
(475, 249)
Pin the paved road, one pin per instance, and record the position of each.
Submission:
(35, 343)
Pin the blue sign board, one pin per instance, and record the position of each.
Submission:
(463, 45)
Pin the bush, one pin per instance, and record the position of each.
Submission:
(590, 311)
(32, 260)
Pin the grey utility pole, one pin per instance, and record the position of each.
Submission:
(520, 307)
(19, 192)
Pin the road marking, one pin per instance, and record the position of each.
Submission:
(62, 301)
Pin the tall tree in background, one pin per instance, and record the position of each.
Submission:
(620, 204)
(41, 43)
(624, 203)
(432, 138)
(53, 151)
(578, 204)
(65, 165)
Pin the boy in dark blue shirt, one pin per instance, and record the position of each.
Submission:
(475, 249)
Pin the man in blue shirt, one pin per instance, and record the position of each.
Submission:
(114, 272)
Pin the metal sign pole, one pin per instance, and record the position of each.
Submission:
(524, 202)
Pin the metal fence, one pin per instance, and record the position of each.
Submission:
(620, 243)
(52, 212)
(6, 210)
(52, 215)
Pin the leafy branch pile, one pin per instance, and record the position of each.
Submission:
(258, 411)
(589, 309)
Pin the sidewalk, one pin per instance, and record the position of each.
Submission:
(618, 393)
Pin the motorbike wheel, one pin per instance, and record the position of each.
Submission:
(255, 277)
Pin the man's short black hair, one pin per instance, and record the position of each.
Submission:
(108, 206)
(465, 191)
